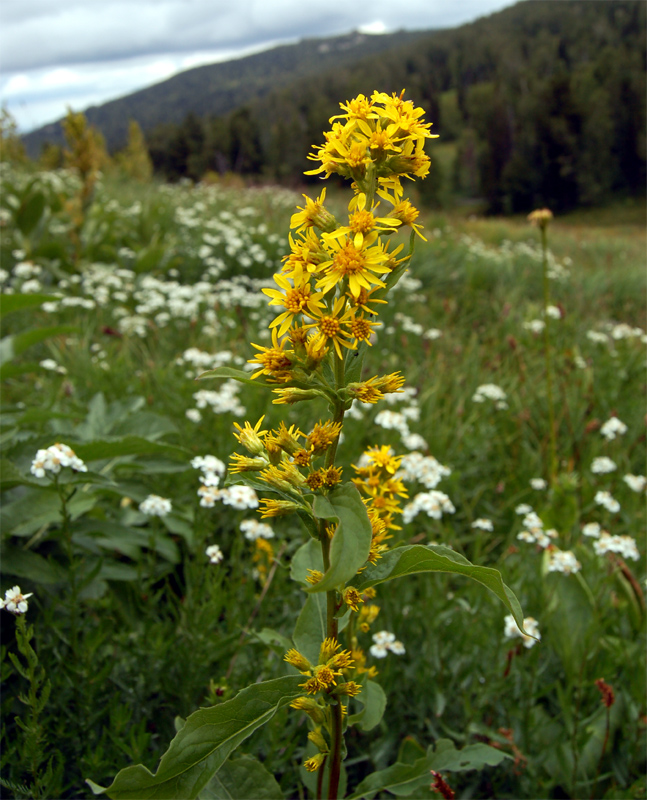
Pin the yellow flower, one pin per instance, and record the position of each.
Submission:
(314, 577)
(407, 214)
(362, 329)
(350, 689)
(330, 324)
(355, 265)
(313, 215)
(313, 764)
(250, 437)
(540, 217)
(297, 299)
(246, 464)
(352, 598)
(323, 435)
(306, 256)
(299, 661)
(275, 361)
(284, 476)
(278, 508)
(383, 457)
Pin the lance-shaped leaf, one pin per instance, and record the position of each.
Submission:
(405, 779)
(203, 744)
(232, 374)
(436, 558)
(242, 777)
(351, 543)
(373, 699)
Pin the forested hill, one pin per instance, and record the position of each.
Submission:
(541, 103)
(216, 89)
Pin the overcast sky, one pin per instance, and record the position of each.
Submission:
(59, 53)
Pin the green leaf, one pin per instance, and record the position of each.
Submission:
(351, 543)
(310, 630)
(405, 779)
(204, 743)
(16, 302)
(436, 558)
(242, 777)
(31, 566)
(12, 346)
(11, 476)
(229, 372)
(127, 446)
(373, 698)
(308, 556)
(30, 212)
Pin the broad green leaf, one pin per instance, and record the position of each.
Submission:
(231, 373)
(242, 777)
(16, 302)
(127, 446)
(30, 212)
(373, 699)
(11, 476)
(31, 566)
(203, 744)
(271, 638)
(310, 630)
(145, 424)
(414, 558)
(9, 370)
(351, 543)
(405, 779)
(12, 346)
(308, 556)
(38, 508)
(125, 540)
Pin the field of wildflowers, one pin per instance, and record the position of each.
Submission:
(143, 582)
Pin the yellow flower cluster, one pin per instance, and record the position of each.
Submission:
(334, 278)
(376, 479)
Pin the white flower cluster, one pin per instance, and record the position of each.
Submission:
(623, 545)
(538, 484)
(563, 561)
(522, 509)
(238, 497)
(15, 601)
(535, 325)
(613, 427)
(386, 642)
(424, 469)
(483, 524)
(253, 530)
(608, 501)
(433, 503)
(511, 630)
(214, 554)
(54, 458)
(399, 420)
(212, 469)
(636, 483)
(52, 366)
(490, 391)
(603, 465)
(155, 506)
(535, 533)
(592, 530)
(221, 401)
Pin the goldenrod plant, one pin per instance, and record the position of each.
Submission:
(329, 295)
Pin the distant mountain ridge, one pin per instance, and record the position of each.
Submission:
(217, 89)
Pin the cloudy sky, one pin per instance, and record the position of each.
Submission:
(59, 53)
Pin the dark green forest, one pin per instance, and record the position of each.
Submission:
(543, 104)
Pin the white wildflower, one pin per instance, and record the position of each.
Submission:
(214, 553)
(523, 508)
(636, 483)
(607, 500)
(155, 506)
(613, 427)
(54, 458)
(602, 465)
(483, 524)
(592, 529)
(253, 529)
(385, 642)
(15, 601)
(511, 630)
(193, 414)
(623, 545)
(538, 484)
(563, 561)
(535, 325)
(240, 497)
(490, 391)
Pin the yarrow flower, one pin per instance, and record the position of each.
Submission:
(530, 624)
(253, 530)
(483, 524)
(54, 458)
(155, 506)
(636, 483)
(15, 601)
(538, 484)
(563, 561)
(385, 642)
(613, 427)
(592, 530)
(490, 391)
(214, 554)
(603, 465)
(623, 545)
(608, 501)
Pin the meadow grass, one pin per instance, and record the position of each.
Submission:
(159, 631)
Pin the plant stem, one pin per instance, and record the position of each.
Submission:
(552, 464)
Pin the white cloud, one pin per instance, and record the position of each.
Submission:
(80, 52)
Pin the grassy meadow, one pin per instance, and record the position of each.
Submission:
(107, 324)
